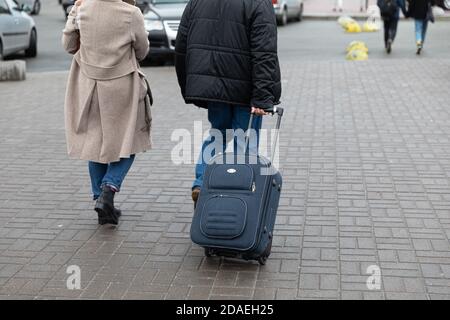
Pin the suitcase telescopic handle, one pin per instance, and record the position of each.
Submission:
(275, 110)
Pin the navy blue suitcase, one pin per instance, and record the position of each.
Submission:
(237, 206)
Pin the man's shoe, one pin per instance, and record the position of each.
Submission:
(195, 194)
(105, 207)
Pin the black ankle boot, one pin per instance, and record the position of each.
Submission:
(105, 207)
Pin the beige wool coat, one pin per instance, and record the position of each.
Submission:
(106, 114)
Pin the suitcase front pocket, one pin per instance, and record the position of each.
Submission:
(231, 177)
(223, 217)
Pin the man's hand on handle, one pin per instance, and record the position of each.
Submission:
(259, 112)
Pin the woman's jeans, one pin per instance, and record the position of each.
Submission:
(421, 30)
(223, 116)
(111, 174)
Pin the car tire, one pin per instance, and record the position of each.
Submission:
(1, 51)
(299, 17)
(36, 7)
(284, 18)
(446, 4)
(31, 52)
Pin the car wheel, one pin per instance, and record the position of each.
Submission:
(300, 14)
(32, 49)
(284, 18)
(36, 7)
(447, 4)
(1, 51)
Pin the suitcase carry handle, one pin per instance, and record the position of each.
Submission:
(279, 111)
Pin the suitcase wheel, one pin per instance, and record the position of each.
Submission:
(208, 252)
(262, 260)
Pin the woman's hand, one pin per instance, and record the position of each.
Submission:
(79, 3)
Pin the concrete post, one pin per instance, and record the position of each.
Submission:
(14, 70)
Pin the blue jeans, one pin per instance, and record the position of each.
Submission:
(421, 30)
(111, 174)
(223, 116)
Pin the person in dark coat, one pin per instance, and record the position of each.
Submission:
(391, 22)
(226, 61)
(419, 9)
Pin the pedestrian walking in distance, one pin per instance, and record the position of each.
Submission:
(227, 62)
(338, 5)
(421, 11)
(390, 13)
(107, 116)
(363, 5)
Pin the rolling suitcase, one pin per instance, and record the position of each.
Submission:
(236, 209)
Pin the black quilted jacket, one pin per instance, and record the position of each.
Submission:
(226, 50)
(418, 9)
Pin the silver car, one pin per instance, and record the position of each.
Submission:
(17, 30)
(286, 10)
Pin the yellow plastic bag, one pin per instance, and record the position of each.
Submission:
(357, 55)
(357, 45)
(370, 27)
(353, 27)
(345, 20)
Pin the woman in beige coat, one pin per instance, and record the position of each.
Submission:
(107, 113)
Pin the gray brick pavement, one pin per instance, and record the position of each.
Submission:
(366, 165)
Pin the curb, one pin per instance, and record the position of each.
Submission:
(328, 16)
(356, 16)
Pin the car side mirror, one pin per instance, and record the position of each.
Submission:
(26, 8)
(23, 7)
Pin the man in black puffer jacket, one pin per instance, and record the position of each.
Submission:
(226, 61)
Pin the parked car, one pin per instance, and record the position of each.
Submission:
(286, 10)
(445, 4)
(34, 5)
(66, 4)
(162, 18)
(17, 30)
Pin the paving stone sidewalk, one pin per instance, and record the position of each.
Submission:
(365, 154)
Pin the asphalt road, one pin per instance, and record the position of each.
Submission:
(308, 40)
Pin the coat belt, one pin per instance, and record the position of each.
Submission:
(125, 67)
